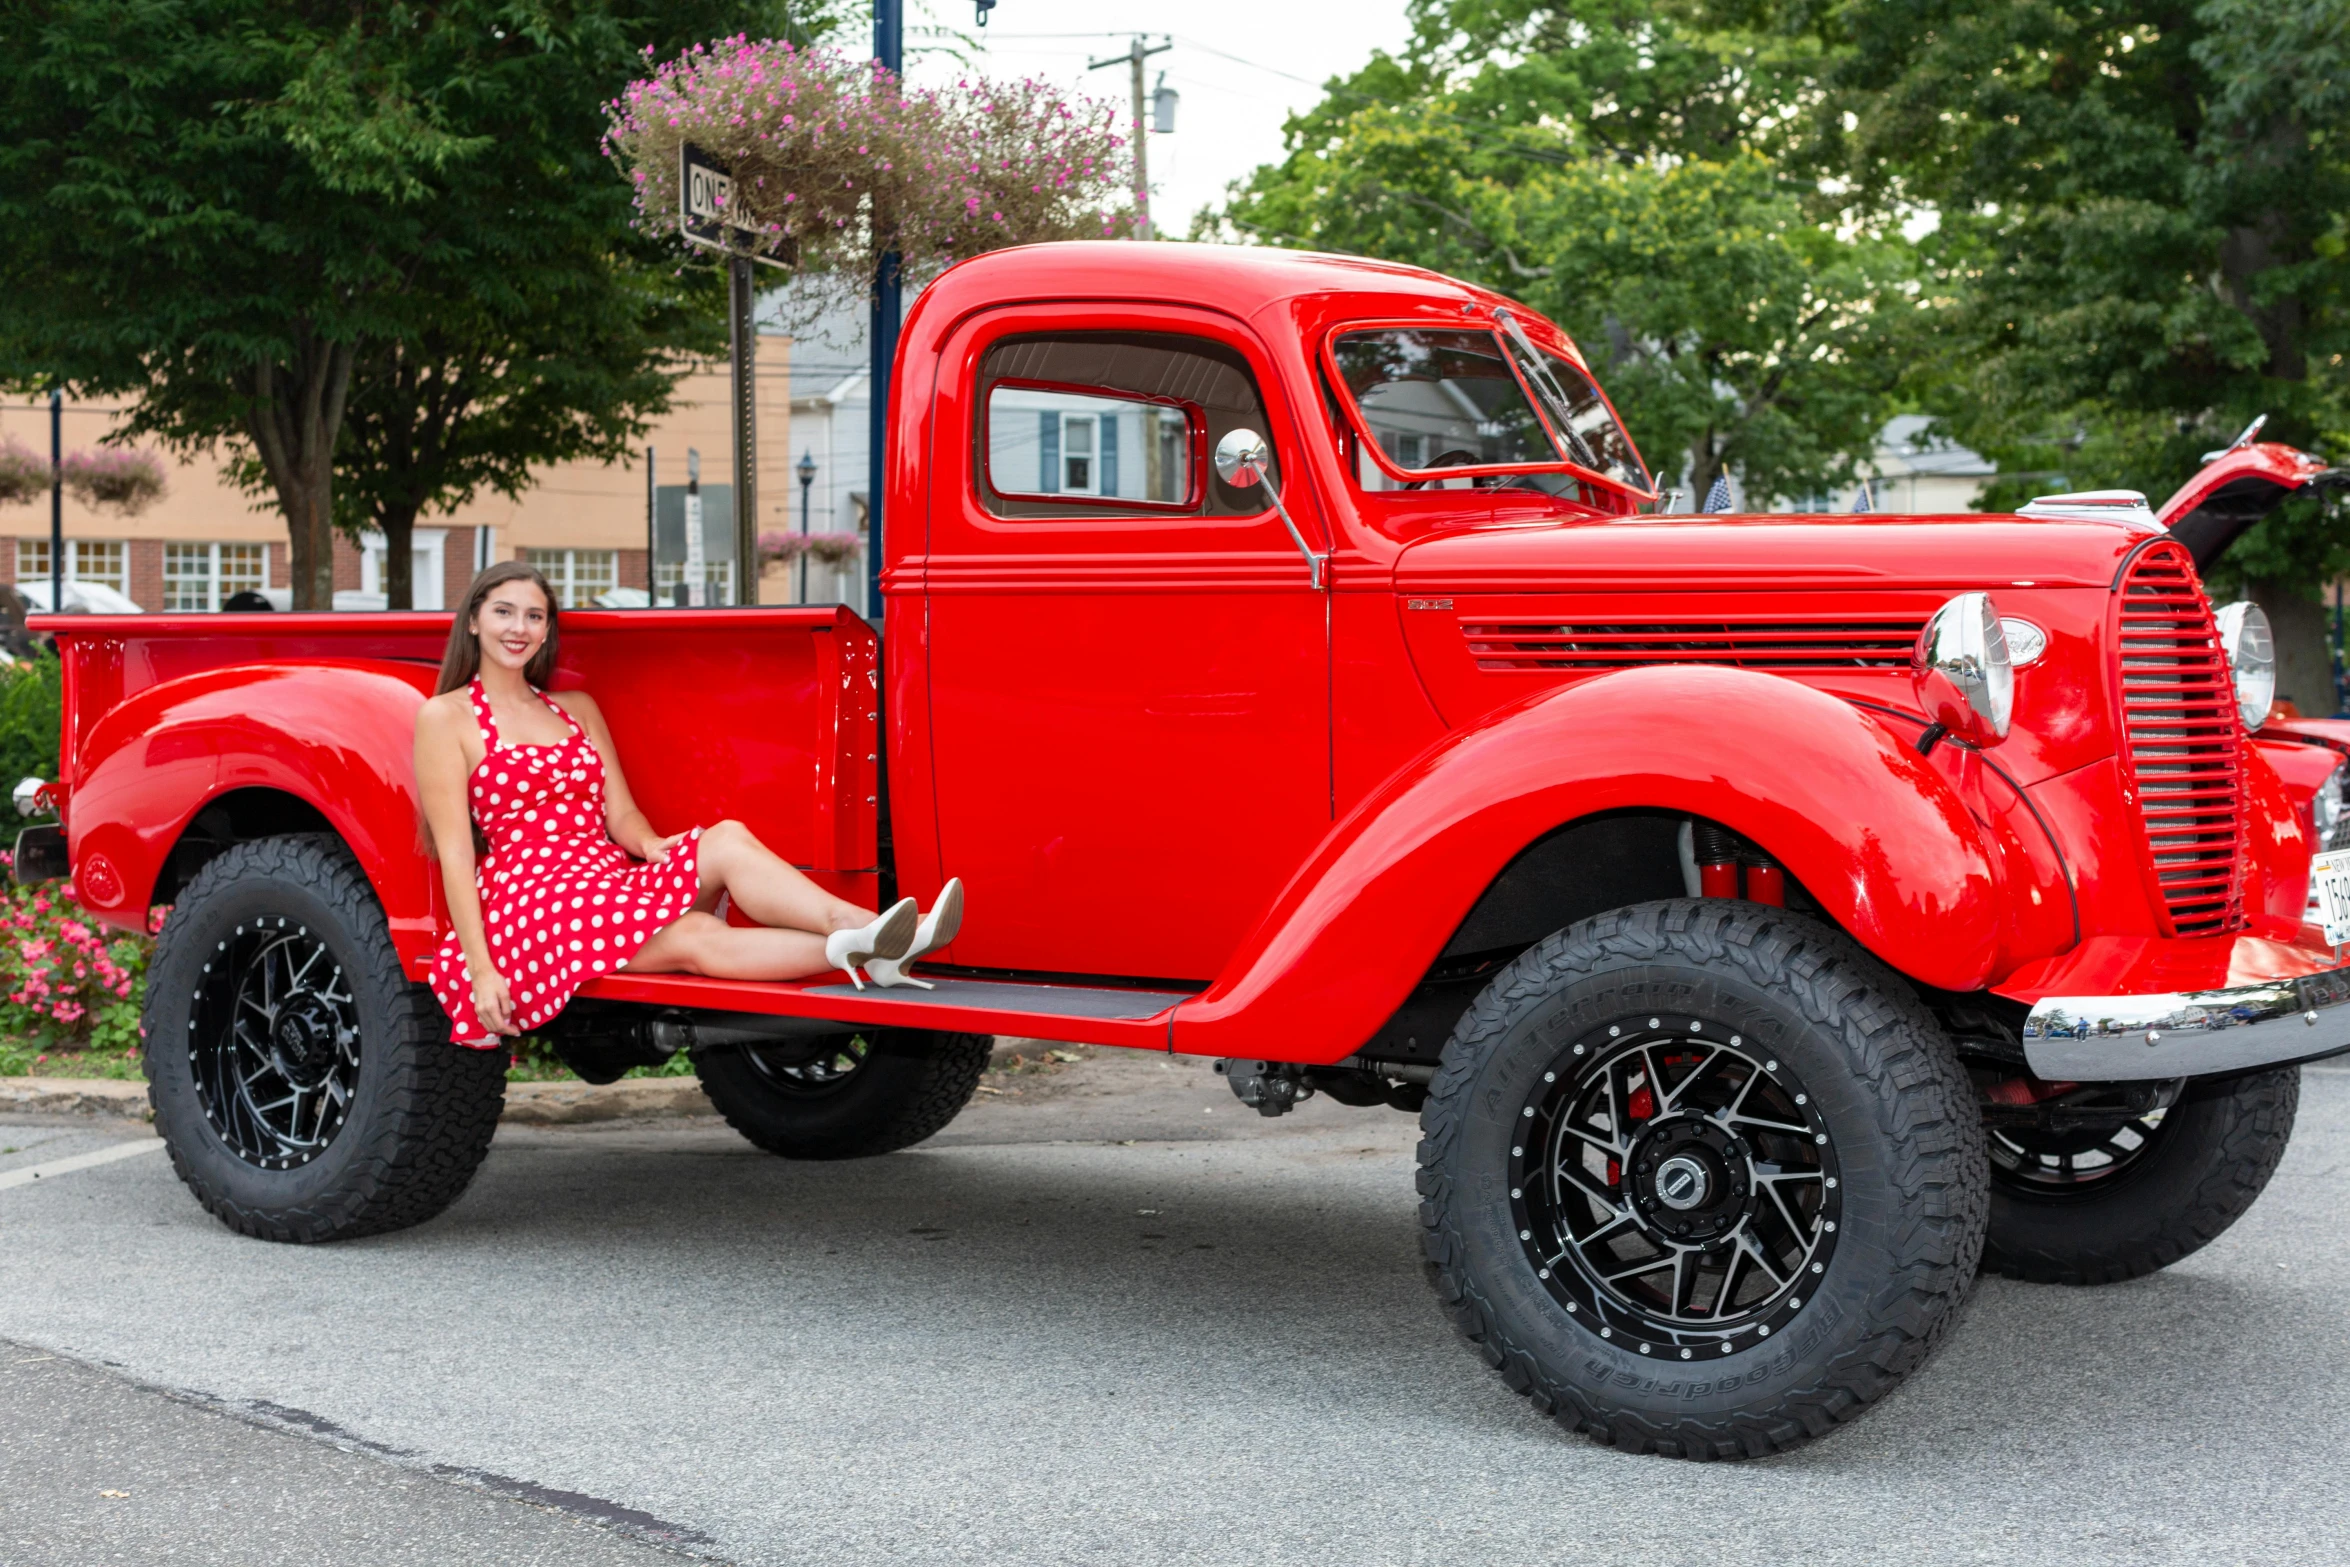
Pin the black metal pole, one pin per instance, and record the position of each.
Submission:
(652, 534)
(889, 47)
(56, 500)
(746, 432)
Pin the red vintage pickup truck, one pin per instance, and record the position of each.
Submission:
(1772, 919)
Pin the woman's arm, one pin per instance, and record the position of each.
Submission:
(623, 821)
(440, 788)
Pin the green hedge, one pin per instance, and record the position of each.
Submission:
(30, 708)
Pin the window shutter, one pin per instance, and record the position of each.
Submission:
(1048, 442)
(1109, 484)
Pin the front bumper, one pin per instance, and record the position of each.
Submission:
(2189, 1033)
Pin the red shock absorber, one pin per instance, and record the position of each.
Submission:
(1716, 852)
(1766, 883)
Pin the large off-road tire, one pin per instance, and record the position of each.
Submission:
(1637, 1087)
(2098, 1207)
(306, 1089)
(873, 1092)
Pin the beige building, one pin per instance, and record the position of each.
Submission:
(584, 524)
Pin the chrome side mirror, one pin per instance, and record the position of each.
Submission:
(1244, 461)
(1243, 458)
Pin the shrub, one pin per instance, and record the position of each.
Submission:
(113, 478)
(63, 982)
(24, 473)
(30, 712)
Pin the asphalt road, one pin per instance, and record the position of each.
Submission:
(1116, 1320)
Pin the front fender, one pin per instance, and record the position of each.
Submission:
(338, 736)
(1863, 822)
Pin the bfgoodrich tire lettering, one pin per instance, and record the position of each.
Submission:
(417, 1113)
(1880, 1083)
(2206, 1162)
(875, 1092)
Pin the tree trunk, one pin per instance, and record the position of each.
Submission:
(296, 415)
(2305, 665)
(399, 530)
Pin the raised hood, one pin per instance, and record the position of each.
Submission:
(2237, 488)
(1879, 551)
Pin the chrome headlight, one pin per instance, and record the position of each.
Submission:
(2325, 810)
(2252, 660)
(1962, 671)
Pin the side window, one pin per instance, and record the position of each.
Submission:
(1110, 424)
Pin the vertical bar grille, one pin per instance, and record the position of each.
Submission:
(2182, 740)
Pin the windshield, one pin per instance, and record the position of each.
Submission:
(1588, 432)
(1439, 399)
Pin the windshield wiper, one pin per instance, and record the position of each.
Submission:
(1572, 445)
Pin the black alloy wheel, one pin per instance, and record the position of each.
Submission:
(306, 1087)
(1701, 1178)
(1676, 1188)
(2099, 1205)
(849, 1096)
(790, 1070)
(273, 1043)
(2051, 1164)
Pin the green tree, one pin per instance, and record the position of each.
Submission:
(257, 217)
(2143, 212)
(1612, 163)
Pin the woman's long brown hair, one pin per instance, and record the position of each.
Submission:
(463, 659)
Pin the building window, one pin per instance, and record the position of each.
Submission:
(205, 576)
(103, 561)
(579, 577)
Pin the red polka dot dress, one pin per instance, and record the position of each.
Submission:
(561, 902)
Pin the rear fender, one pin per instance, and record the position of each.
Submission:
(1867, 826)
(338, 736)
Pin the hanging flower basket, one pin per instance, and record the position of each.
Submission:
(825, 549)
(24, 473)
(114, 479)
(836, 161)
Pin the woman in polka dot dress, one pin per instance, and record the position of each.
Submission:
(554, 876)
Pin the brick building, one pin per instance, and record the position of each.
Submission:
(583, 524)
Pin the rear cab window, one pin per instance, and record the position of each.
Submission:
(1095, 424)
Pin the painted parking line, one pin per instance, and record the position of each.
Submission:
(80, 1161)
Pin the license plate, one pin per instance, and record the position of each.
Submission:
(2329, 893)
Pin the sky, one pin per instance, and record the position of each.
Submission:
(1241, 66)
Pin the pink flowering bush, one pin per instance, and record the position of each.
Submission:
(837, 161)
(24, 473)
(64, 983)
(113, 478)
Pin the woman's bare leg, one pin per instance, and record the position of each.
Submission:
(734, 861)
(700, 943)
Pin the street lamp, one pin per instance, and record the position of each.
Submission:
(806, 469)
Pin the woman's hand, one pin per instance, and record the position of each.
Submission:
(658, 849)
(493, 1003)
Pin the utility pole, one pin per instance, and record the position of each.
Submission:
(1133, 57)
(56, 500)
(889, 50)
(745, 334)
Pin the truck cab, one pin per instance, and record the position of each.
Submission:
(1771, 918)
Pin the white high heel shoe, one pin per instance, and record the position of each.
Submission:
(938, 927)
(885, 939)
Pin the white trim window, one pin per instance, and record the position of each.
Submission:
(427, 567)
(103, 561)
(579, 577)
(206, 576)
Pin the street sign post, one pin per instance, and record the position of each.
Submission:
(708, 216)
